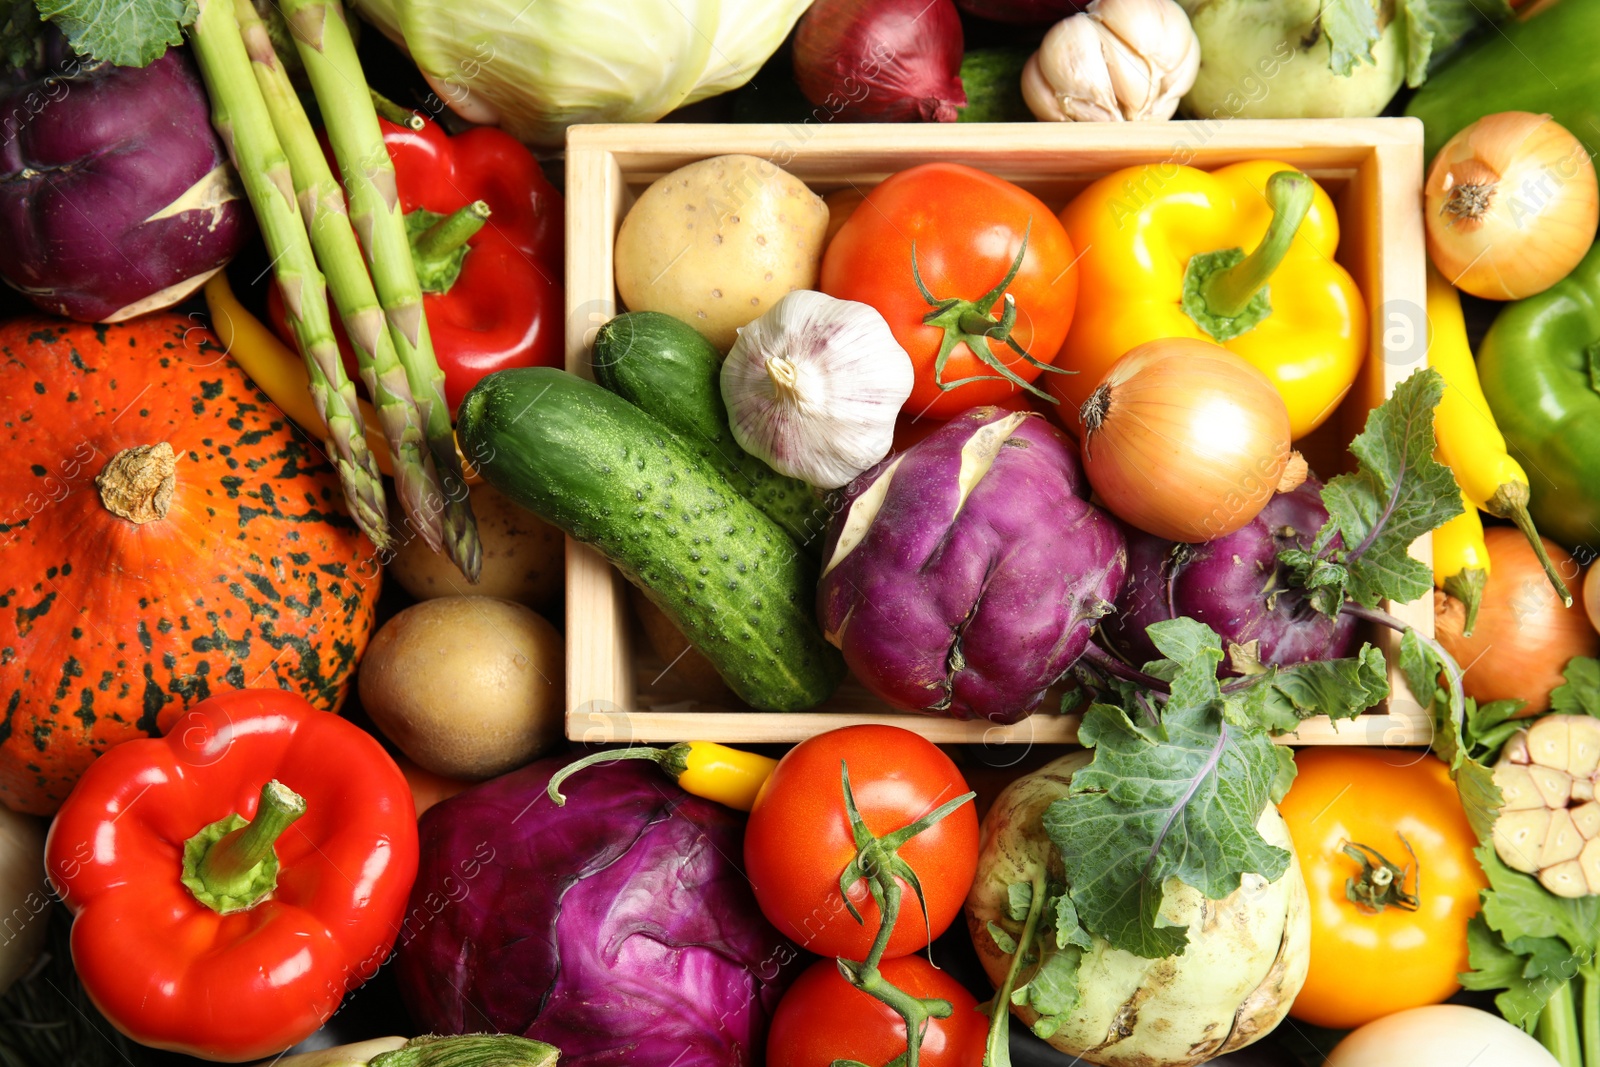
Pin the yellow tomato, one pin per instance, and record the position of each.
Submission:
(1391, 805)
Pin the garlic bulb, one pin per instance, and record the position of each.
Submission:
(1117, 60)
(813, 388)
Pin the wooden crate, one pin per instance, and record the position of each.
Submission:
(1371, 167)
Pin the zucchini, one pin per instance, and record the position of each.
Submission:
(665, 367)
(592, 464)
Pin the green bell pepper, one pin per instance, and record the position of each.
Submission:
(1540, 368)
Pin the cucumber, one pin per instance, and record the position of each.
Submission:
(592, 464)
(665, 367)
(992, 78)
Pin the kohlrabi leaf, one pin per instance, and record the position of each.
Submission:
(1064, 921)
(1352, 29)
(1147, 810)
(1052, 989)
(1480, 797)
(1398, 493)
(1281, 697)
(1580, 693)
(1495, 965)
(1434, 27)
(127, 33)
(21, 35)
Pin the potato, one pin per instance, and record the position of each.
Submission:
(468, 686)
(523, 557)
(718, 242)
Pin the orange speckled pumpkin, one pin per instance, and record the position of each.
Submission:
(164, 533)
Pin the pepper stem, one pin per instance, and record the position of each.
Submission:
(232, 864)
(1381, 884)
(1467, 585)
(1228, 292)
(673, 761)
(400, 116)
(452, 231)
(1510, 501)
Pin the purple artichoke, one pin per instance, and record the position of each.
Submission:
(963, 576)
(115, 195)
(1234, 585)
(619, 928)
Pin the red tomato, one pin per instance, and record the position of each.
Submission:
(967, 227)
(824, 1018)
(799, 841)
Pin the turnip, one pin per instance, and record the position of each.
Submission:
(1245, 960)
(1237, 586)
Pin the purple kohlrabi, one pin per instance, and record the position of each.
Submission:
(963, 576)
(1234, 585)
(115, 195)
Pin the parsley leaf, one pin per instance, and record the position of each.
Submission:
(1149, 809)
(1352, 30)
(1495, 965)
(1580, 693)
(1398, 493)
(1434, 27)
(127, 33)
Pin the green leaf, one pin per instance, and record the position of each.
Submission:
(1069, 931)
(1518, 907)
(1434, 27)
(128, 33)
(1580, 693)
(1398, 493)
(1146, 810)
(1352, 29)
(1495, 966)
(1338, 688)
(1002, 940)
(1480, 797)
(1019, 898)
(21, 35)
(1052, 989)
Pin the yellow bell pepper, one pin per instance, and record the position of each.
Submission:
(1242, 256)
(1469, 442)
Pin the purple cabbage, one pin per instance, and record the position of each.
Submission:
(115, 195)
(619, 928)
(1234, 585)
(970, 606)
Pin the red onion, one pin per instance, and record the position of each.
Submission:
(1023, 12)
(881, 60)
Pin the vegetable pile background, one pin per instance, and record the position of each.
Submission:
(295, 454)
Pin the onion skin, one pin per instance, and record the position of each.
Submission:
(882, 60)
(1524, 635)
(1511, 205)
(1591, 595)
(1234, 585)
(1185, 440)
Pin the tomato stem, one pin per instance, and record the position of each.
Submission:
(970, 322)
(877, 862)
(1381, 884)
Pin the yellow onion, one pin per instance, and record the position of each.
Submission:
(1185, 440)
(1510, 205)
(1524, 635)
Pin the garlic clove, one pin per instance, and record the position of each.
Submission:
(1565, 880)
(1562, 842)
(1589, 859)
(1517, 790)
(1549, 741)
(1516, 750)
(1152, 54)
(1553, 785)
(1582, 789)
(1583, 752)
(1519, 837)
(1072, 67)
(1586, 817)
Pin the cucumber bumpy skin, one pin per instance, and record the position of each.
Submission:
(664, 367)
(592, 464)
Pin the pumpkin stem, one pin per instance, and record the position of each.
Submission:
(137, 483)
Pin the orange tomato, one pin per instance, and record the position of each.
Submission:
(1364, 964)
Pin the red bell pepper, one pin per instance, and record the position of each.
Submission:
(233, 880)
(491, 267)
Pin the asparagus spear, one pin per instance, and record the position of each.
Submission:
(329, 56)
(240, 116)
(334, 242)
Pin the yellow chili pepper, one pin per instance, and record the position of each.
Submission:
(1242, 256)
(728, 776)
(1469, 442)
(1461, 561)
(280, 372)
